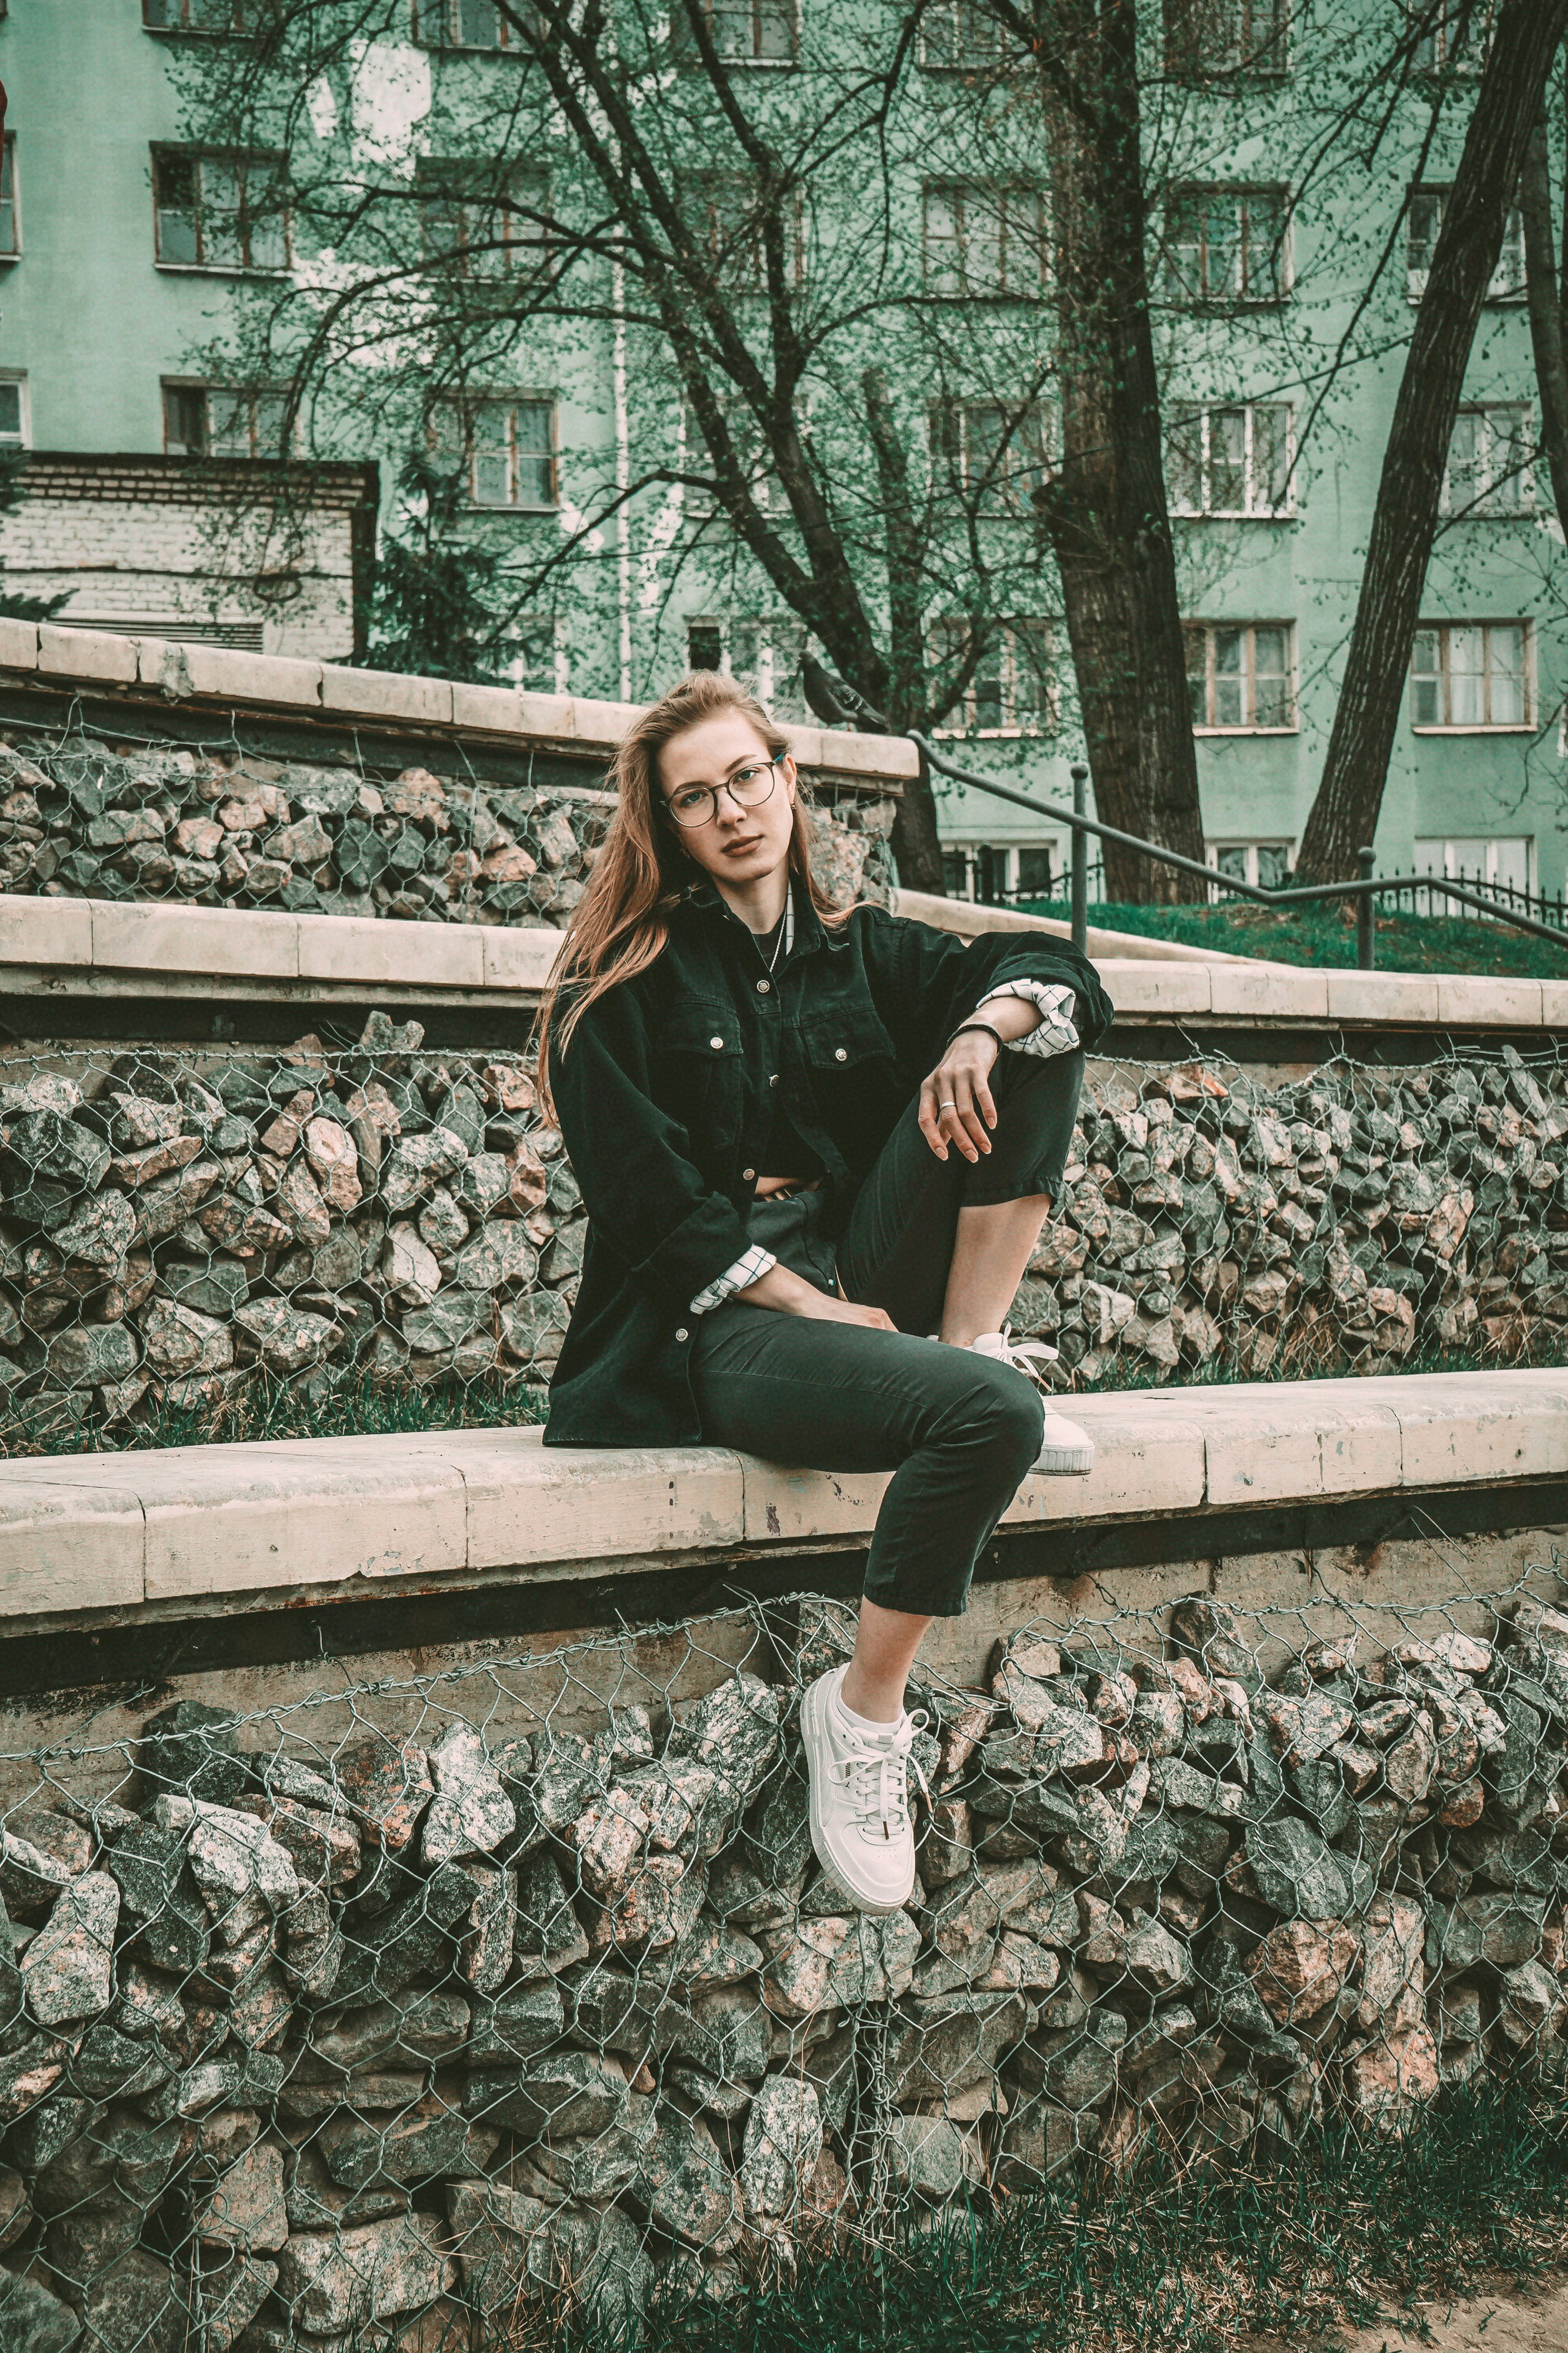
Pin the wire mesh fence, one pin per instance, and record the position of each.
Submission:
(217, 823)
(222, 1238)
(413, 2013)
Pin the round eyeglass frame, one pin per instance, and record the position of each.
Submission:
(692, 824)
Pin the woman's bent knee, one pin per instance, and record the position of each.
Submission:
(1012, 1418)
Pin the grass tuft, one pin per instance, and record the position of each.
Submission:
(1327, 936)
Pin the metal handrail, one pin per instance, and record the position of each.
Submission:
(1363, 891)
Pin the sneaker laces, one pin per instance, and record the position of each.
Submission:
(1024, 1355)
(875, 1775)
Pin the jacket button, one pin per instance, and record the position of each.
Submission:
(717, 1044)
(748, 1174)
(683, 1334)
(764, 987)
(840, 1054)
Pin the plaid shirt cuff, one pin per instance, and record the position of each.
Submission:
(1056, 1005)
(751, 1268)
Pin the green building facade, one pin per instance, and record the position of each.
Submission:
(128, 249)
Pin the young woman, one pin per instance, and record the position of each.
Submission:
(815, 1151)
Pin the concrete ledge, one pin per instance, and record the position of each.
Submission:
(202, 1529)
(186, 674)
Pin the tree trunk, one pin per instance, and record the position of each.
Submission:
(917, 844)
(1105, 512)
(1405, 521)
(1546, 324)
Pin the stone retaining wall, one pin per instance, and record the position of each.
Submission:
(168, 1221)
(334, 2028)
(90, 820)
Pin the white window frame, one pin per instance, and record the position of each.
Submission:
(721, 231)
(498, 256)
(185, 30)
(993, 207)
(1250, 848)
(970, 851)
(443, 15)
(1452, 865)
(1506, 285)
(23, 437)
(1482, 509)
(451, 435)
(203, 212)
(1438, 35)
(1255, 509)
(1248, 673)
(1028, 450)
(1444, 630)
(11, 193)
(1246, 196)
(749, 56)
(973, 39)
(1246, 60)
(261, 446)
(953, 635)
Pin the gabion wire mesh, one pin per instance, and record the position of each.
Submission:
(215, 1233)
(218, 823)
(398, 2015)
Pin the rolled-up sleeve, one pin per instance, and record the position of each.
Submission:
(1056, 1033)
(644, 1193)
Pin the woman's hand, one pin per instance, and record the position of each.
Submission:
(956, 1105)
(791, 1293)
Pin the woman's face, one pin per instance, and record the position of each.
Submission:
(735, 844)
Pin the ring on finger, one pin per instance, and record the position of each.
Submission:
(949, 1105)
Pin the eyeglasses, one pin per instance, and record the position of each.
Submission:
(694, 804)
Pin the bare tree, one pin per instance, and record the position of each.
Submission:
(1525, 39)
(1548, 322)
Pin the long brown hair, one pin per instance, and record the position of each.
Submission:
(621, 923)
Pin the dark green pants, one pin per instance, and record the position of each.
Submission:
(958, 1431)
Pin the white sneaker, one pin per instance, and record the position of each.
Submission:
(1066, 1451)
(859, 1809)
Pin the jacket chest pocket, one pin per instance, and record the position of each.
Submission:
(851, 1057)
(698, 1065)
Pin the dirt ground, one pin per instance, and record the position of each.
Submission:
(1512, 2320)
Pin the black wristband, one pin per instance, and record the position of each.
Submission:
(963, 1026)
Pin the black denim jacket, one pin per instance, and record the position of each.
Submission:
(665, 1099)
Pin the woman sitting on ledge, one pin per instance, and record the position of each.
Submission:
(815, 1151)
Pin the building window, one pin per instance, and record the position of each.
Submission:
(960, 36)
(214, 17)
(1206, 39)
(744, 32)
(1423, 222)
(538, 665)
(704, 645)
(504, 449)
(15, 422)
(1226, 245)
(1240, 675)
(751, 454)
(1454, 35)
(1500, 866)
(765, 654)
(725, 210)
(1015, 689)
(993, 449)
(203, 420)
(1265, 865)
(10, 210)
(1489, 471)
(473, 24)
(218, 211)
(995, 872)
(983, 238)
(1232, 461)
(478, 224)
(1470, 674)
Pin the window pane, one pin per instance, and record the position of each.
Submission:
(1184, 465)
(983, 445)
(1263, 227)
(1425, 677)
(704, 645)
(942, 273)
(536, 455)
(8, 197)
(262, 210)
(1231, 861)
(1032, 680)
(986, 688)
(1508, 487)
(983, 246)
(1273, 864)
(185, 420)
(1270, 484)
(1466, 678)
(1222, 259)
(491, 472)
(534, 668)
(1185, 248)
(1198, 675)
(10, 412)
(1507, 279)
(476, 24)
(223, 245)
(1228, 653)
(1465, 458)
(1034, 873)
(1423, 221)
(775, 28)
(268, 436)
(228, 425)
(1506, 663)
(175, 181)
(1271, 679)
(1227, 461)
